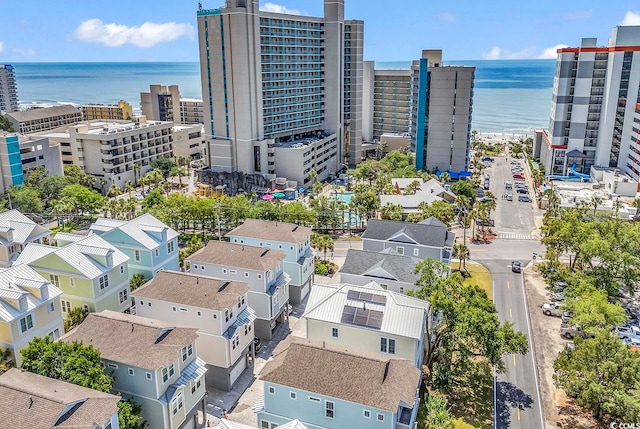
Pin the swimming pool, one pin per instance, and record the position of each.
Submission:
(345, 197)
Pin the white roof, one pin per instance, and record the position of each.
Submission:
(77, 254)
(228, 424)
(65, 236)
(24, 229)
(402, 315)
(21, 280)
(141, 229)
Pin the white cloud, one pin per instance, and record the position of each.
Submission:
(1, 47)
(631, 18)
(276, 8)
(578, 14)
(143, 36)
(446, 17)
(497, 53)
(26, 52)
(552, 52)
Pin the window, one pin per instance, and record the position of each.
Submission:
(400, 250)
(26, 323)
(215, 316)
(366, 414)
(149, 376)
(55, 334)
(416, 252)
(112, 365)
(157, 252)
(66, 306)
(329, 409)
(293, 395)
(334, 332)
(233, 271)
(246, 274)
(314, 399)
(174, 308)
(272, 390)
(183, 309)
(165, 375)
(186, 352)
(224, 271)
(226, 315)
(259, 276)
(104, 281)
(52, 307)
(387, 345)
(132, 372)
(72, 281)
(136, 255)
(195, 266)
(199, 313)
(170, 247)
(380, 417)
(122, 296)
(171, 370)
(401, 290)
(55, 279)
(197, 383)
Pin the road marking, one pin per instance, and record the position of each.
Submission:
(518, 411)
(510, 314)
(515, 236)
(508, 286)
(514, 359)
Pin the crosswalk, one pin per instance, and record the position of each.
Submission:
(514, 236)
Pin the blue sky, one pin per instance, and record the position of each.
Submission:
(165, 30)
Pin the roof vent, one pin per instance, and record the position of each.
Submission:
(264, 252)
(294, 228)
(223, 286)
(386, 370)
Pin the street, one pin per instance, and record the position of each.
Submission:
(517, 392)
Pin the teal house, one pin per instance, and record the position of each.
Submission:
(150, 244)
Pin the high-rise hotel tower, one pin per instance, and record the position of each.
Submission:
(282, 93)
(8, 92)
(595, 110)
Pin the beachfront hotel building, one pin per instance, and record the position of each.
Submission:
(595, 109)
(428, 103)
(8, 91)
(40, 119)
(275, 83)
(163, 103)
(115, 151)
(122, 111)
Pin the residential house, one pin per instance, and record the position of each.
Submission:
(292, 239)
(149, 243)
(261, 269)
(325, 386)
(29, 308)
(34, 401)
(387, 268)
(16, 231)
(217, 308)
(91, 272)
(154, 362)
(370, 319)
(427, 239)
(428, 192)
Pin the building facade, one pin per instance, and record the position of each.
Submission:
(292, 239)
(118, 112)
(153, 362)
(189, 142)
(191, 111)
(29, 308)
(40, 119)
(8, 90)
(217, 308)
(260, 268)
(275, 80)
(594, 109)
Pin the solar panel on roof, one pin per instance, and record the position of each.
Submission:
(362, 317)
(356, 295)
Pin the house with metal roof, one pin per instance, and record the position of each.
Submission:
(33, 401)
(427, 192)
(328, 386)
(368, 318)
(294, 240)
(390, 270)
(91, 273)
(29, 308)
(430, 238)
(261, 269)
(154, 362)
(217, 308)
(149, 243)
(16, 231)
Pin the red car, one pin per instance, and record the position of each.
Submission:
(518, 176)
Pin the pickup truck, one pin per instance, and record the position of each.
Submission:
(570, 331)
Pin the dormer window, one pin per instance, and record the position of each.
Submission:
(22, 303)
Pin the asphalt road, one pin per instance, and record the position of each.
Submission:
(517, 392)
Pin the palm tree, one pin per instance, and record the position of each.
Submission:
(75, 317)
(313, 175)
(445, 177)
(461, 252)
(136, 281)
(136, 173)
(595, 202)
(6, 360)
(636, 204)
(178, 172)
(128, 187)
(113, 191)
(463, 204)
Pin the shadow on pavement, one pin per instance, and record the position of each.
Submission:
(509, 397)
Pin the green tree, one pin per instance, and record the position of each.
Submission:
(164, 165)
(178, 172)
(75, 317)
(83, 199)
(461, 252)
(5, 124)
(77, 176)
(412, 187)
(464, 187)
(26, 199)
(129, 415)
(434, 413)
(137, 280)
(391, 211)
(441, 210)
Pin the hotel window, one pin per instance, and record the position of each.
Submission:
(26, 323)
(329, 409)
(55, 279)
(104, 282)
(136, 255)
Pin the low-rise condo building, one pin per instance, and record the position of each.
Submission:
(40, 119)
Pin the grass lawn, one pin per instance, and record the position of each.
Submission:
(479, 275)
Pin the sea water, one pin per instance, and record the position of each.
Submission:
(510, 96)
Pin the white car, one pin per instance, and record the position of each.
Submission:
(552, 309)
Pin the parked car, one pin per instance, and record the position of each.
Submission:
(519, 184)
(552, 309)
(566, 316)
(480, 192)
(509, 197)
(522, 191)
(630, 332)
(571, 331)
(516, 267)
(485, 199)
(487, 158)
(558, 296)
(524, 198)
(518, 176)
(559, 286)
(257, 344)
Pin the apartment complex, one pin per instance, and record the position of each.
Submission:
(595, 107)
(119, 112)
(43, 118)
(8, 91)
(115, 151)
(163, 103)
(273, 80)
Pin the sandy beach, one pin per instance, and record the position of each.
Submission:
(503, 137)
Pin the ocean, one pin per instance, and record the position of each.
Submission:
(510, 96)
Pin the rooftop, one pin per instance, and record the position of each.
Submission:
(35, 401)
(430, 232)
(44, 112)
(145, 229)
(238, 255)
(24, 229)
(380, 266)
(192, 289)
(132, 340)
(270, 230)
(368, 379)
(22, 281)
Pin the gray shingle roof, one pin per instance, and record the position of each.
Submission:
(132, 340)
(270, 230)
(143, 229)
(238, 255)
(429, 232)
(192, 289)
(369, 264)
(343, 374)
(44, 112)
(33, 401)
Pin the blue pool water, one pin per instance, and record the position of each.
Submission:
(345, 197)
